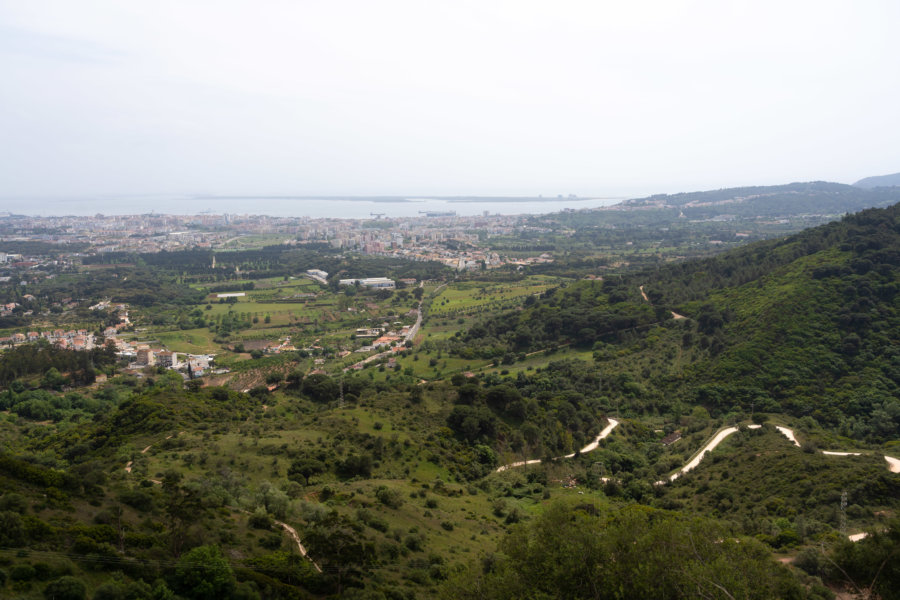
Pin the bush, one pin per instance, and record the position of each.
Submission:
(355, 466)
(810, 560)
(109, 590)
(514, 516)
(413, 542)
(260, 520)
(204, 574)
(389, 497)
(272, 541)
(137, 498)
(22, 572)
(13, 502)
(65, 588)
(12, 532)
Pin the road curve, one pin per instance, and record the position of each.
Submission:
(592, 446)
(788, 434)
(893, 463)
(718, 439)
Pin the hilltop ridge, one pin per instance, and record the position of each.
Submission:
(879, 181)
(816, 197)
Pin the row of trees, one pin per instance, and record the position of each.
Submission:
(43, 358)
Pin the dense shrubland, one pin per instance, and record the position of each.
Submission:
(803, 325)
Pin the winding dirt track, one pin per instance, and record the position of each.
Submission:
(788, 434)
(709, 447)
(296, 537)
(892, 463)
(130, 463)
(592, 446)
(290, 530)
(893, 467)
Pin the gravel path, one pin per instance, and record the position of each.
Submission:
(144, 451)
(592, 446)
(296, 537)
(893, 463)
(718, 439)
(788, 434)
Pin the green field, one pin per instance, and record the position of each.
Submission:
(476, 296)
(192, 341)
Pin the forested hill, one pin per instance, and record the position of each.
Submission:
(817, 197)
(804, 325)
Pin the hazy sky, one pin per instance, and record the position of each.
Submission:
(444, 97)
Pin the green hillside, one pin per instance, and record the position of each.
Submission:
(406, 476)
(803, 326)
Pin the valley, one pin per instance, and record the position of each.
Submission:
(273, 415)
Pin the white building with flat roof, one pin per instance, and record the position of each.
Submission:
(377, 282)
(372, 282)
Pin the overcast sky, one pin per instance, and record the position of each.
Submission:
(444, 97)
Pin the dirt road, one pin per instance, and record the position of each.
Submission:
(893, 463)
(709, 447)
(296, 537)
(592, 446)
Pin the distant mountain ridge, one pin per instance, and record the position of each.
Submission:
(816, 197)
(879, 181)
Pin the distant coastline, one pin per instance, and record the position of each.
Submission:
(314, 207)
(418, 198)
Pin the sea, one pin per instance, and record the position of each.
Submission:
(285, 206)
